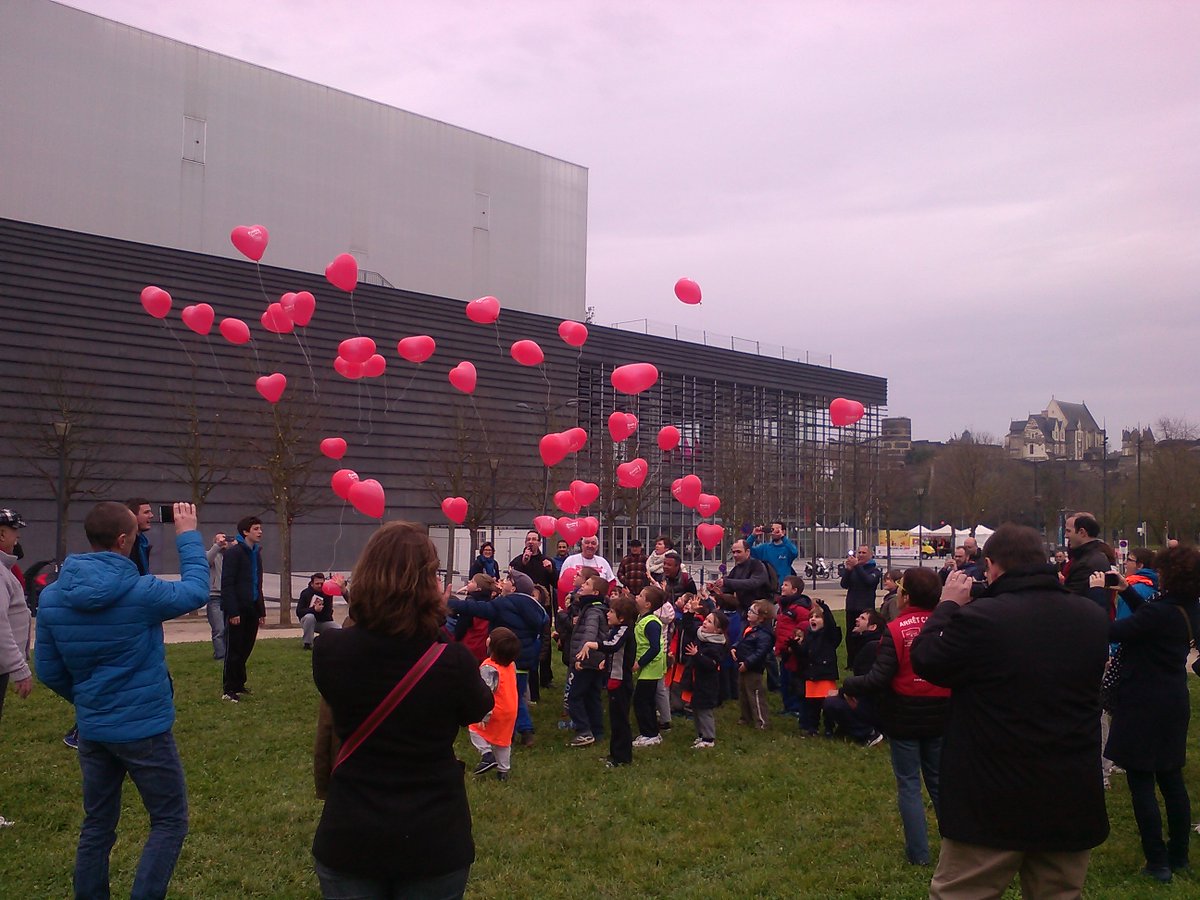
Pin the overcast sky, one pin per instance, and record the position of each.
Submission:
(987, 203)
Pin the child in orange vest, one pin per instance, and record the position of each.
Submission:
(493, 736)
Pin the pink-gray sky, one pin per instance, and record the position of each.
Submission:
(987, 202)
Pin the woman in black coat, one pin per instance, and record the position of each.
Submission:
(396, 820)
(1150, 710)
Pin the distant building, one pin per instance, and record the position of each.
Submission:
(1131, 437)
(1061, 431)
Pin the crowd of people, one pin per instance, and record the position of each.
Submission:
(1012, 686)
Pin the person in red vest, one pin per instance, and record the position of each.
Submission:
(492, 736)
(913, 716)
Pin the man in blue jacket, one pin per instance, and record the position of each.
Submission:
(100, 645)
(242, 603)
(779, 552)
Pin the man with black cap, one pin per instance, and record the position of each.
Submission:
(515, 609)
(14, 623)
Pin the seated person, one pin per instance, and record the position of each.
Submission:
(314, 610)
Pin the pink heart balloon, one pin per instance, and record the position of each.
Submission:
(843, 412)
(565, 500)
(271, 386)
(545, 525)
(356, 349)
(331, 589)
(589, 526)
(566, 578)
(622, 426)
(687, 291)
(455, 509)
(575, 334)
(156, 301)
(342, 481)
(299, 306)
(368, 498)
(347, 369)
(416, 349)
(570, 529)
(634, 378)
(676, 486)
(484, 311)
(576, 438)
(668, 438)
(689, 490)
(250, 240)
(528, 353)
(234, 330)
(708, 504)
(374, 366)
(334, 447)
(342, 273)
(585, 492)
(463, 377)
(632, 474)
(553, 448)
(199, 317)
(709, 535)
(276, 319)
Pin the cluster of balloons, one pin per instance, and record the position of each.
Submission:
(622, 426)
(556, 446)
(357, 359)
(365, 495)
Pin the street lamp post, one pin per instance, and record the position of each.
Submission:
(921, 527)
(62, 430)
(494, 463)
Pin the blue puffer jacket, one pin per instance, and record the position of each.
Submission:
(100, 639)
(519, 612)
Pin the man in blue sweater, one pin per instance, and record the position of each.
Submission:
(779, 552)
(100, 645)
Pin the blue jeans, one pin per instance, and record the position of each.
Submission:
(154, 767)
(911, 758)
(344, 886)
(216, 625)
(524, 720)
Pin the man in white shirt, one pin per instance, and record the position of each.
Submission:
(589, 557)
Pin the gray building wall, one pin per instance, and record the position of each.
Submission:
(109, 130)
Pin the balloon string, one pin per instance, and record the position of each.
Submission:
(216, 364)
(354, 315)
(370, 420)
(262, 287)
(486, 440)
(341, 515)
(406, 387)
(312, 377)
(496, 325)
(171, 332)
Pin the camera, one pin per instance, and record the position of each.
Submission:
(166, 513)
(1111, 579)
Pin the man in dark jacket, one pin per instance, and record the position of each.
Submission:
(1086, 555)
(517, 610)
(242, 603)
(861, 581)
(675, 581)
(530, 561)
(1021, 787)
(314, 610)
(746, 582)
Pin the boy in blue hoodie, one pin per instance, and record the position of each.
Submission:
(100, 645)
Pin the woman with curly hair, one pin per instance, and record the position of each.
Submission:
(1150, 710)
(396, 819)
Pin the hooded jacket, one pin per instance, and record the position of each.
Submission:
(519, 612)
(100, 639)
(14, 622)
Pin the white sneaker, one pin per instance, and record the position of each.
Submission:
(6, 823)
(704, 745)
(640, 740)
(643, 741)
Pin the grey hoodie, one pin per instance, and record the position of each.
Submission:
(14, 623)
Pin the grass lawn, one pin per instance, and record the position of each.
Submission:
(761, 815)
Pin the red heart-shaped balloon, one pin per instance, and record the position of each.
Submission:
(299, 306)
(632, 474)
(708, 504)
(553, 448)
(585, 492)
(484, 311)
(342, 481)
(234, 330)
(634, 378)
(347, 369)
(709, 535)
(463, 377)
(589, 526)
(356, 349)
(276, 319)
(374, 366)
(570, 529)
(689, 490)
(565, 500)
(368, 498)
(576, 438)
(199, 317)
(250, 240)
(622, 426)
(843, 412)
(342, 273)
(416, 349)
(575, 334)
(455, 509)
(566, 581)
(668, 438)
(271, 386)
(528, 353)
(334, 447)
(156, 301)
(545, 525)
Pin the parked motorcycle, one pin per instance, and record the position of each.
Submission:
(823, 569)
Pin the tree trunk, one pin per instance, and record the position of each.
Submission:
(450, 556)
(285, 563)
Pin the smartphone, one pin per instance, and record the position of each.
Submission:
(1111, 579)
(166, 513)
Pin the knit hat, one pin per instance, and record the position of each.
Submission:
(522, 582)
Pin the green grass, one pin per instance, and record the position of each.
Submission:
(761, 815)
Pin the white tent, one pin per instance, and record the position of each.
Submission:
(918, 530)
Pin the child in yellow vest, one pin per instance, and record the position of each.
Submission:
(493, 736)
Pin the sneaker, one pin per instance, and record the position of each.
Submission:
(486, 764)
(232, 698)
(874, 741)
(613, 764)
(581, 740)
(1160, 874)
(71, 738)
(643, 740)
(501, 775)
(704, 745)
(6, 823)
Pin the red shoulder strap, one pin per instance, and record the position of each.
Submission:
(390, 702)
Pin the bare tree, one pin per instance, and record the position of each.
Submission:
(199, 447)
(966, 477)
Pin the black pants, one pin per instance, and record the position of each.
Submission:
(620, 741)
(239, 644)
(1145, 810)
(645, 706)
(546, 668)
